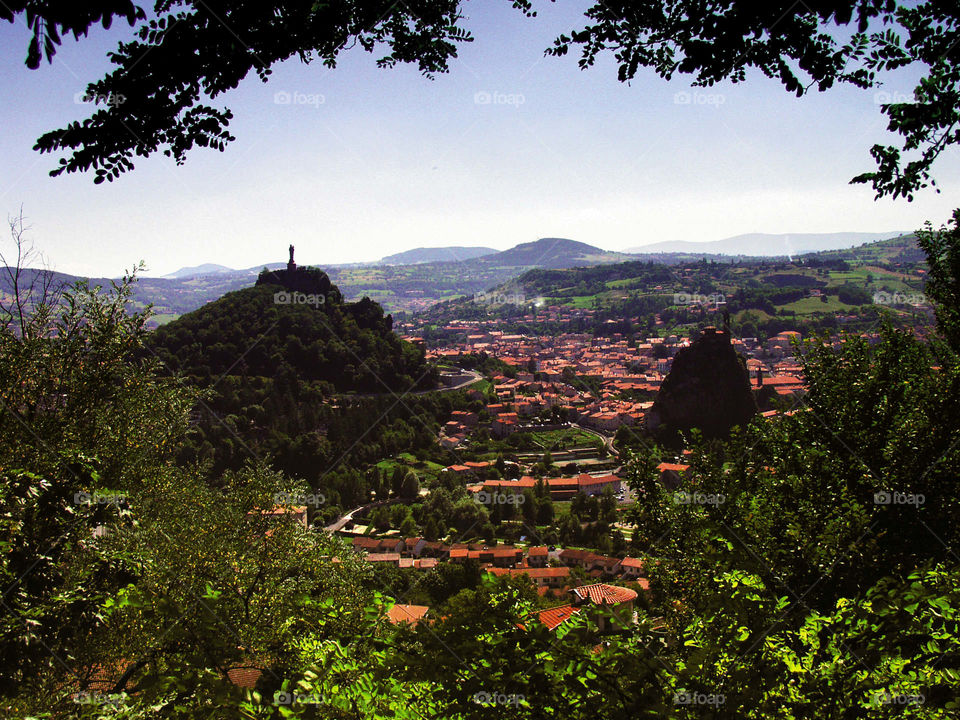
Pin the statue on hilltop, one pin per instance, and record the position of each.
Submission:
(291, 265)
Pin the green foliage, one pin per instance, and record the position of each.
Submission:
(943, 252)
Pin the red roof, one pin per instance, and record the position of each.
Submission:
(553, 617)
(533, 573)
(411, 614)
(676, 467)
(603, 594)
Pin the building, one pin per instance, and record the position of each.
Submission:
(618, 600)
(407, 614)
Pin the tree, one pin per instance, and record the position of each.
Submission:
(31, 294)
(411, 485)
(795, 43)
(118, 565)
(943, 258)
(408, 527)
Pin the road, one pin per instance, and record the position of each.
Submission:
(475, 377)
(608, 441)
(348, 517)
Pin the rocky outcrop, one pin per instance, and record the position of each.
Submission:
(708, 388)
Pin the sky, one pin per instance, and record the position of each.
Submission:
(355, 163)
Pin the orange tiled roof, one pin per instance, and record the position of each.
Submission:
(553, 617)
(411, 614)
(603, 594)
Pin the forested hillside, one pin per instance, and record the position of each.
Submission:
(292, 375)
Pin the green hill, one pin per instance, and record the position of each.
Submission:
(551, 253)
(293, 324)
(812, 293)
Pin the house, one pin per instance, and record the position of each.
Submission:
(671, 474)
(298, 513)
(506, 556)
(459, 470)
(537, 556)
(631, 568)
(365, 544)
(618, 600)
(504, 424)
(407, 614)
(555, 617)
(613, 597)
(465, 418)
(590, 485)
(552, 577)
(590, 561)
(412, 546)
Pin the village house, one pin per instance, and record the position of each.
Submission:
(552, 577)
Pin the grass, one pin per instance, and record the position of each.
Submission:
(811, 305)
(567, 437)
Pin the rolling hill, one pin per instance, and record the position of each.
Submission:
(198, 271)
(552, 253)
(437, 254)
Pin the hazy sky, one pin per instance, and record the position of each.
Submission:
(508, 147)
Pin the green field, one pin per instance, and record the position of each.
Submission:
(811, 305)
(566, 438)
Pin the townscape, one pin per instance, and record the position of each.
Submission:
(452, 360)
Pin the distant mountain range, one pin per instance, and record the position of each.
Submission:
(437, 254)
(765, 245)
(198, 271)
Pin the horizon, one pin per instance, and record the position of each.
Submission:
(147, 273)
